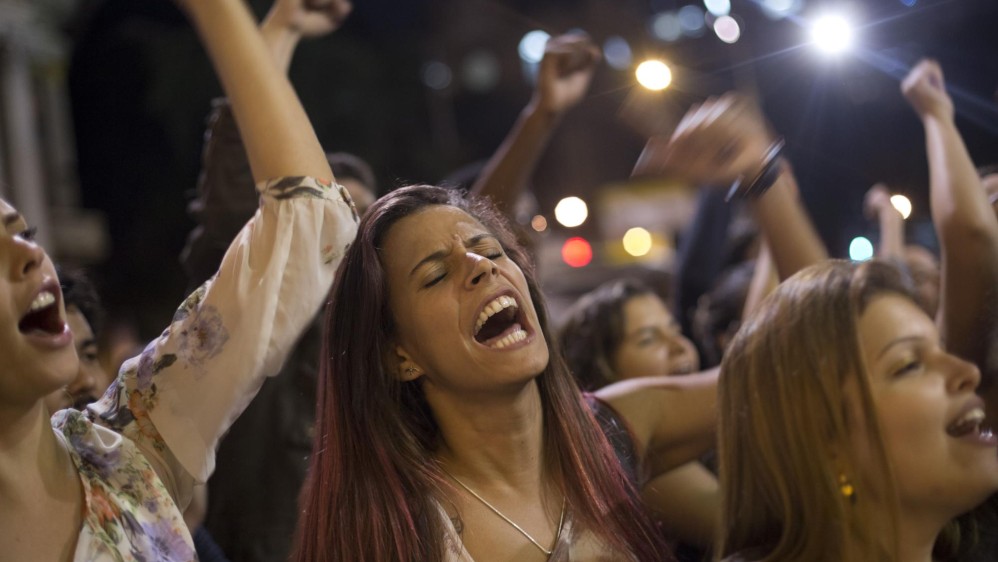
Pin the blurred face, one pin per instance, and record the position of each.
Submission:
(990, 184)
(931, 418)
(464, 317)
(38, 355)
(924, 270)
(85, 388)
(652, 344)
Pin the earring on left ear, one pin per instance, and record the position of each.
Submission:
(846, 488)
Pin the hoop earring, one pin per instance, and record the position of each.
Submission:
(846, 488)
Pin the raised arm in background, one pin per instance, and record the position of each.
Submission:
(725, 139)
(562, 81)
(966, 227)
(877, 206)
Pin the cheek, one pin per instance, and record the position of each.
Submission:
(634, 362)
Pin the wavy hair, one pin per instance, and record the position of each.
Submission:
(370, 490)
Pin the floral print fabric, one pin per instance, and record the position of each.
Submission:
(144, 445)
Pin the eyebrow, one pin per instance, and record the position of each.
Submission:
(903, 339)
(11, 218)
(441, 254)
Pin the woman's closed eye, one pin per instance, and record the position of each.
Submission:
(28, 234)
(436, 278)
(908, 367)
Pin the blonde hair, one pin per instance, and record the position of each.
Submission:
(787, 422)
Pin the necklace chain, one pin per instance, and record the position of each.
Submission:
(561, 518)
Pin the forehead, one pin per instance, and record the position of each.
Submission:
(78, 324)
(645, 310)
(889, 317)
(432, 229)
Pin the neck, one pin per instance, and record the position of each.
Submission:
(493, 440)
(32, 461)
(917, 534)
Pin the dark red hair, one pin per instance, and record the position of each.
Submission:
(369, 492)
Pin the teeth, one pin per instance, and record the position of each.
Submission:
(44, 299)
(492, 308)
(515, 336)
(968, 421)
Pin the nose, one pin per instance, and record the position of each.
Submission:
(962, 375)
(26, 256)
(482, 268)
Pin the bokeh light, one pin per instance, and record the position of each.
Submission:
(571, 211)
(617, 52)
(532, 45)
(654, 75)
(727, 29)
(902, 204)
(637, 242)
(832, 33)
(666, 27)
(718, 7)
(436, 75)
(860, 249)
(480, 71)
(691, 20)
(577, 252)
(539, 223)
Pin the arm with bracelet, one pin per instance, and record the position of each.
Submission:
(726, 142)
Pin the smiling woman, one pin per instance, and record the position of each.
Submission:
(847, 431)
(448, 428)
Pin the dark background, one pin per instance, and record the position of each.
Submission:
(141, 86)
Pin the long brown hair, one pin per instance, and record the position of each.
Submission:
(370, 490)
(785, 425)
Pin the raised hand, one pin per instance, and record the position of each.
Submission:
(925, 90)
(716, 142)
(308, 18)
(565, 72)
(290, 21)
(877, 199)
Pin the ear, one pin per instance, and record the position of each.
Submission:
(407, 369)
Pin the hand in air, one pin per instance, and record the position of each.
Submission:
(925, 90)
(877, 199)
(309, 18)
(566, 71)
(716, 142)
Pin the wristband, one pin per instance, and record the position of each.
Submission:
(764, 179)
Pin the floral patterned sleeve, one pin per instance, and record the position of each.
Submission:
(179, 396)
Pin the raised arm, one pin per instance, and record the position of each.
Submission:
(179, 396)
(278, 137)
(965, 225)
(562, 81)
(673, 418)
(877, 206)
(226, 197)
(726, 139)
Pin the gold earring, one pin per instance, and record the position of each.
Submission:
(410, 371)
(846, 488)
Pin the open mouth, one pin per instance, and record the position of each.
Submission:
(970, 423)
(500, 323)
(43, 315)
